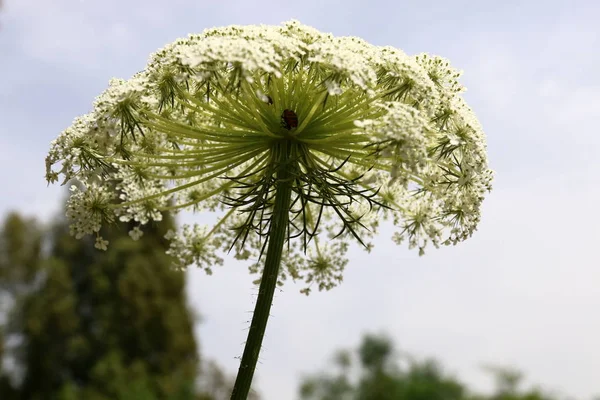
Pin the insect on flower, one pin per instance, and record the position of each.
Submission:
(289, 119)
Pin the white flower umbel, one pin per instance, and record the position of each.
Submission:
(301, 141)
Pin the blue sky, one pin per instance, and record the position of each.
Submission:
(524, 291)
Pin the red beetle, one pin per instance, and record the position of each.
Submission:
(289, 119)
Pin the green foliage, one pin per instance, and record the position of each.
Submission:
(95, 325)
(20, 250)
(508, 382)
(427, 381)
(376, 375)
(20, 259)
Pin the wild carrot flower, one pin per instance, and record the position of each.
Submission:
(301, 141)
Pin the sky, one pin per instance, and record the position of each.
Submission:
(524, 291)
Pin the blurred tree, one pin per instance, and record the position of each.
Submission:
(97, 325)
(20, 260)
(379, 376)
(104, 325)
(508, 382)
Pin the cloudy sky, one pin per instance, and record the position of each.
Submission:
(524, 291)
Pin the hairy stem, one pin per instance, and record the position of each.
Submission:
(277, 238)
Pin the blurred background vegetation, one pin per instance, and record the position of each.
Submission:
(79, 323)
(377, 371)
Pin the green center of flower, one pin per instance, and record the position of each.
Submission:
(244, 130)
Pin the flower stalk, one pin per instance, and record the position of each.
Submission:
(276, 240)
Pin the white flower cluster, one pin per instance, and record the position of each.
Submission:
(324, 266)
(370, 133)
(405, 135)
(88, 210)
(194, 245)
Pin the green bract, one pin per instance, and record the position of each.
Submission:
(369, 133)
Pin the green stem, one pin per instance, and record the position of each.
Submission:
(268, 282)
